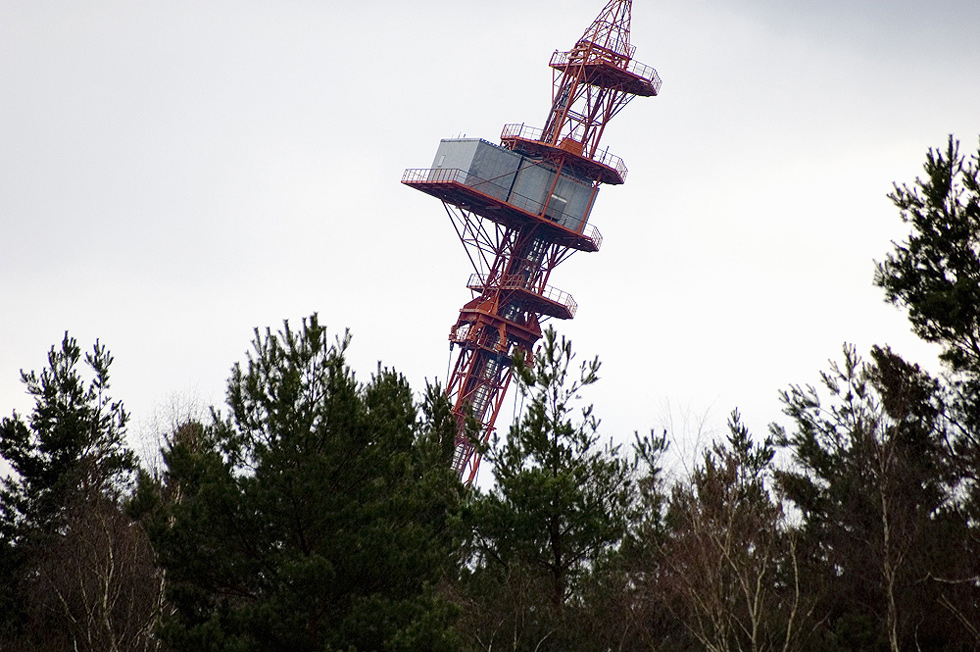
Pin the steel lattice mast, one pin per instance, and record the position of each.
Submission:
(522, 207)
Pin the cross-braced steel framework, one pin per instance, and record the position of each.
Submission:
(522, 208)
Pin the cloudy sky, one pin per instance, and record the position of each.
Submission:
(175, 173)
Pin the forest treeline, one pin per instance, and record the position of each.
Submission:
(316, 511)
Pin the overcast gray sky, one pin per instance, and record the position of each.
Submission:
(175, 173)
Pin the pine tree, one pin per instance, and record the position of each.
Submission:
(560, 510)
(319, 514)
(873, 481)
(72, 447)
(935, 273)
(77, 572)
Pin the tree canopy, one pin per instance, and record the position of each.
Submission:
(935, 273)
(318, 514)
(317, 511)
(75, 573)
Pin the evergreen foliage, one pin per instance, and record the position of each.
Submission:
(319, 515)
(76, 571)
(71, 448)
(875, 488)
(935, 274)
(560, 509)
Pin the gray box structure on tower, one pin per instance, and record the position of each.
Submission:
(523, 182)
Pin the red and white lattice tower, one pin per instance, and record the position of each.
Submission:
(522, 207)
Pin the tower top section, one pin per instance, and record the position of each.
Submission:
(592, 82)
(611, 29)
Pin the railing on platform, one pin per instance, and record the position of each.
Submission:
(437, 175)
(521, 131)
(611, 161)
(643, 71)
(646, 72)
(455, 175)
(591, 233)
(602, 157)
(517, 282)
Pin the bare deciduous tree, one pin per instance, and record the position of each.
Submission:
(97, 582)
(731, 572)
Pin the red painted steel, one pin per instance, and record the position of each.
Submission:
(514, 243)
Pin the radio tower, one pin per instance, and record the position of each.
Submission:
(522, 207)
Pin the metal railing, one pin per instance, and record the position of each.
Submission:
(646, 72)
(609, 38)
(602, 157)
(611, 161)
(436, 175)
(643, 71)
(518, 282)
(560, 297)
(521, 131)
(593, 234)
(455, 175)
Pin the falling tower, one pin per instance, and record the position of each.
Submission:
(522, 207)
